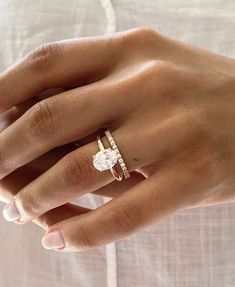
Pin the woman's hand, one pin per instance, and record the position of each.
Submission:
(170, 107)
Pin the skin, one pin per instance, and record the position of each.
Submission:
(171, 110)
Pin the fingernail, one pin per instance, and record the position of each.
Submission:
(11, 212)
(53, 240)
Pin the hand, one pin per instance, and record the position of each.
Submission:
(170, 107)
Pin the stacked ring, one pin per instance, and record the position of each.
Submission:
(106, 158)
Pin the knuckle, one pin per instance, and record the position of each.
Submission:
(41, 119)
(168, 72)
(43, 57)
(78, 170)
(143, 33)
(161, 72)
(162, 77)
(170, 80)
(28, 205)
(151, 70)
(138, 37)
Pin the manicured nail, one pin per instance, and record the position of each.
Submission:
(11, 212)
(53, 240)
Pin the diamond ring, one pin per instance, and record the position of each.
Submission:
(106, 158)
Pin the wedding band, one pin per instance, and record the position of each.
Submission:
(106, 159)
(119, 156)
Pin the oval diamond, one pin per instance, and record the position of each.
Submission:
(105, 159)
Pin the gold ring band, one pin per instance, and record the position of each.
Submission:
(114, 172)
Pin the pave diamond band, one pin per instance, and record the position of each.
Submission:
(119, 156)
(106, 159)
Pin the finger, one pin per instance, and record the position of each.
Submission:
(10, 186)
(145, 203)
(18, 179)
(10, 116)
(53, 122)
(76, 61)
(60, 213)
(115, 188)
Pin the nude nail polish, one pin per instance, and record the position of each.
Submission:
(11, 212)
(53, 240)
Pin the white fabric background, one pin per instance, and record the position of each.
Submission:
(189, 249)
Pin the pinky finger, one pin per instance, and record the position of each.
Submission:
(60, 213)
(150, 200)
(70, 210)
